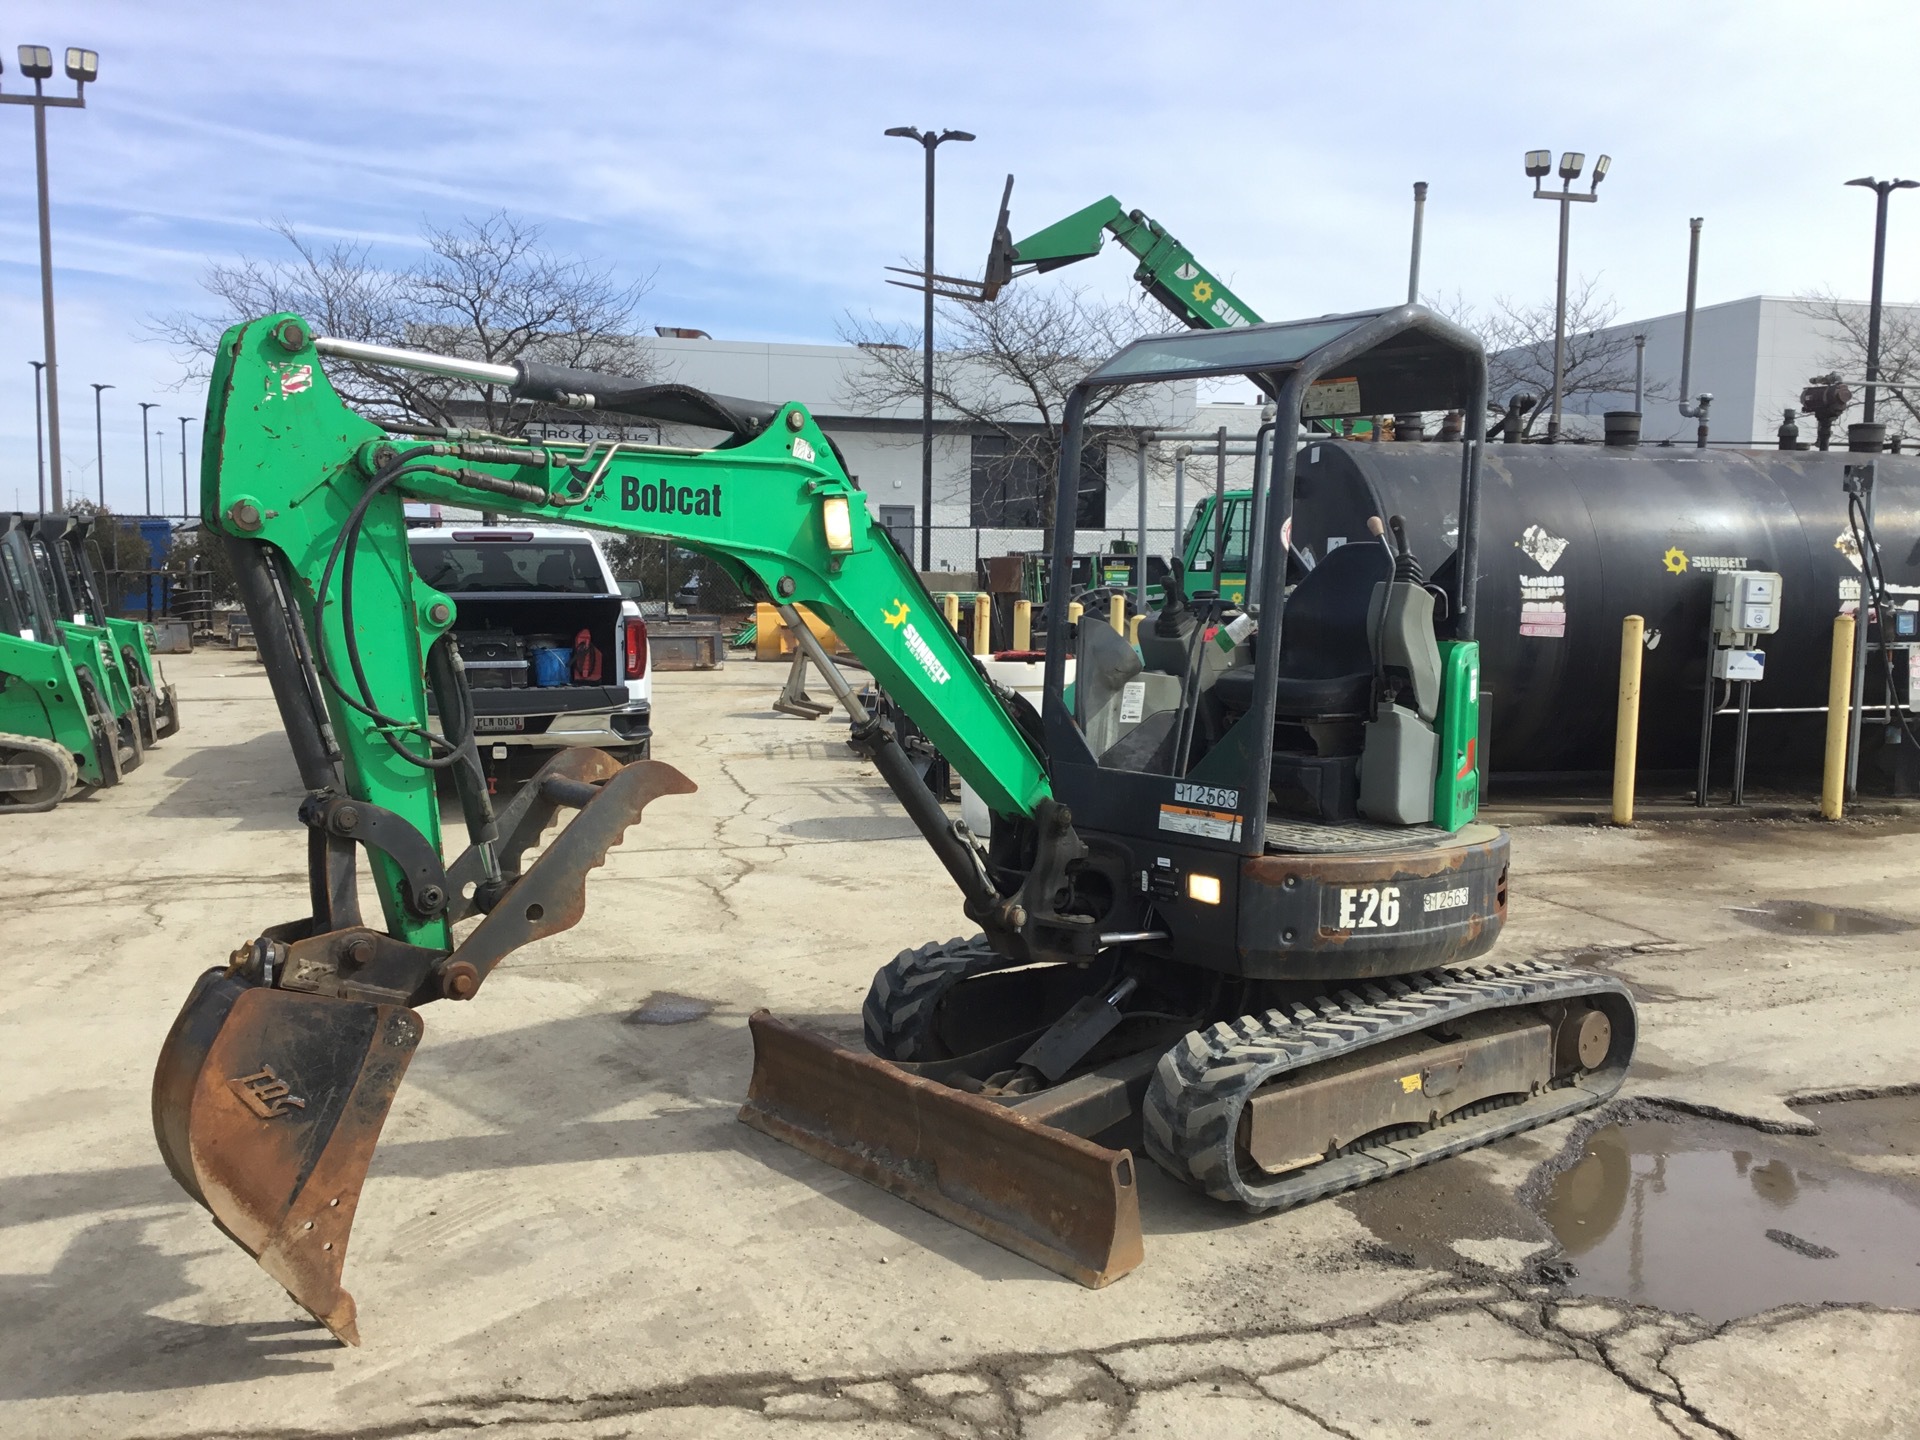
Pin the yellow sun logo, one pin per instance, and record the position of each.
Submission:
(1676, 561)
(897, 618)
(1202, 292)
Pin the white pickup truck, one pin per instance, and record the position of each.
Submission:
(555, 653)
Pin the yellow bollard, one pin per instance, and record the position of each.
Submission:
(950, 607)
(1133, 630)
(1023, 624)
(1074, 612)
(1117, 613)
(1626, 733)
(1833, 776)
(982, 625)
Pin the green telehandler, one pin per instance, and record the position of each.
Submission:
(72, 553)
(57, 731)
(1276, 993)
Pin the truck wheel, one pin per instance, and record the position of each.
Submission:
(905, 997)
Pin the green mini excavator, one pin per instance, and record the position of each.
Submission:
(1230, 900)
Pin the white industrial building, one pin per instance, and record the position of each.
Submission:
(881, 446)
(1754, 356)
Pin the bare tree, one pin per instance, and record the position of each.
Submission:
(1598, 360)
(1844, 325)
(484, 289)
(1007, 368)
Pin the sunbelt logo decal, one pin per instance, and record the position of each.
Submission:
(916, 643)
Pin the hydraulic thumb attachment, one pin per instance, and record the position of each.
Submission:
(277, 1076)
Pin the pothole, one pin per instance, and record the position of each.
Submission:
(663, 1007)
(1805, 917)
(1716, 1220)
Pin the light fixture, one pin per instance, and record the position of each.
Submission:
(1539, 162)
(36, 62)
(904, 132)
(83, 65)
(956, 135)
(837, 516)
(1204, 888)
(1571, 162)
(1600, 168)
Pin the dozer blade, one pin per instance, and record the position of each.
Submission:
(1060, 1201)
(267, 1105)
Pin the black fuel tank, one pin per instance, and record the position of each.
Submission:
(1574, 538)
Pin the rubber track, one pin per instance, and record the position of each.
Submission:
(48, 753)
(1202, 1084)
(897, 1018)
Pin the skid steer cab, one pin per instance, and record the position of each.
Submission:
(1223, 896)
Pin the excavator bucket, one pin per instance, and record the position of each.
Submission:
(1060, 1201)
(267, 1105)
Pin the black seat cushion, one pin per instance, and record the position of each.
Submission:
(1326, 656)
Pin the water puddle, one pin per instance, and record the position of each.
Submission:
(1804, 917)
(1721, 1221)
(663, 1007)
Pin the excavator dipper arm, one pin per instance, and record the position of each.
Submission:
(274, 1083)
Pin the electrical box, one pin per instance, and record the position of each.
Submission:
(1745, 603)
(1739, 665)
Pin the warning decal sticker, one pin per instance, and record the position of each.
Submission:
(1192, 820)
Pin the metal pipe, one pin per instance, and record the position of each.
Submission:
(1740, 747)
(1180, 496)
(1560, 322)
(1220, 510)
(1707, 711)
(1419, 218)
(39, 437)
(1839, 691)
(1208, 436)
(1697, 409)
(1262, 475)
(1639, 374)
(46, 303)
(1140, 547)
(146, 450)
(454, 368)
(99, 452)
(1626, 731)
(929, 143)
(1868, 565)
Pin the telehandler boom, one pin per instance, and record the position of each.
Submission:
(1218, 883)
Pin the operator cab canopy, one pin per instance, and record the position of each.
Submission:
(1372, 362)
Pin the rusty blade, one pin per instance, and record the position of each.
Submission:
(1060, 1201)
(267, 1105)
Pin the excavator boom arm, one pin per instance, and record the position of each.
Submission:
(287, 465)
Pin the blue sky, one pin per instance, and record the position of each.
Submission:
(733, 151)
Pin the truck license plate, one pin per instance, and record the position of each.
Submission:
(498, 724)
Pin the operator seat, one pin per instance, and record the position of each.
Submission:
(1324, 692)
(1326, 654)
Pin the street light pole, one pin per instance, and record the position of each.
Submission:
(99, 449)
(1571, 163)
(39, 437)
(1881, 189)
(186, 511)
(36, 63)
(146, 449)
(929, 141)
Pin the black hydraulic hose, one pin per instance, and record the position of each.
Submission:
(272, 622)
(345, 547)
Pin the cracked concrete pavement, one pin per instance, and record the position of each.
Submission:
(566, 1234)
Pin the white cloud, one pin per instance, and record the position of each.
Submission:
(736, 149)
